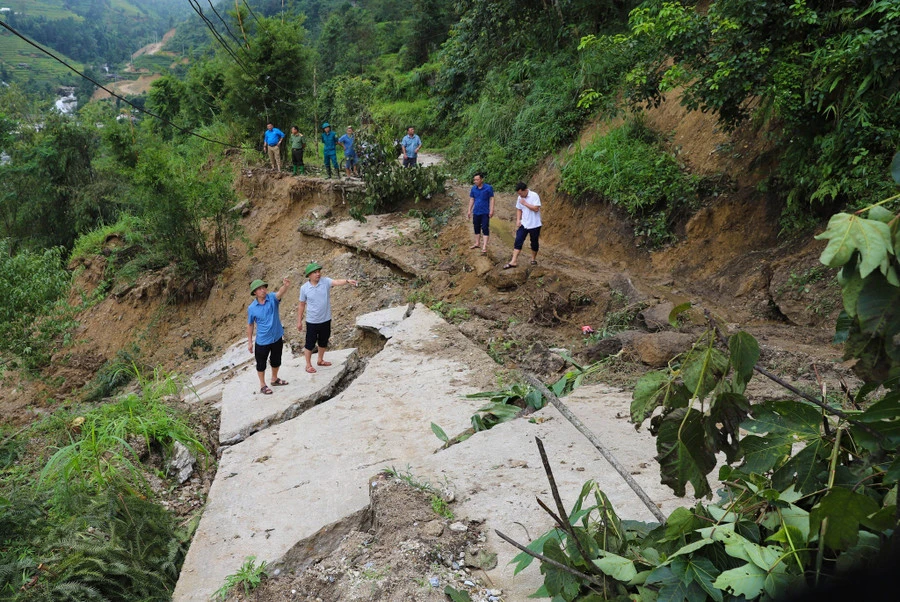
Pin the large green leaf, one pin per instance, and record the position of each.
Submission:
(797, 420)
(559, 583)
(762, 454)
(806, 469)
(851, 285)
(653, 390)
(684, 453)
(727, 412)
(878, 307)
(844, 510)
(617, 567)
(681, 522)
(747, 580)
(744, 353)
(672, 588)
(702, 370)
(847, 233)
(704, 573)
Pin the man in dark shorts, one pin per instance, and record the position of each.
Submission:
(481, 210)
(528, 223)
(270, 334)
(315, 302)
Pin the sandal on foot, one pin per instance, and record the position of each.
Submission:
(323, 363)
(280, 382)
(310, 369)
(474, 247)
(266, 391)
(509, 266)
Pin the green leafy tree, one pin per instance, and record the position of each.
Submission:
(267, 80)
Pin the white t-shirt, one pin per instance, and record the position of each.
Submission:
(530, 219)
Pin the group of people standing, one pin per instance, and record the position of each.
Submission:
(528, 218)
(272, 138)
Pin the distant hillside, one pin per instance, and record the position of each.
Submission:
(91, 34)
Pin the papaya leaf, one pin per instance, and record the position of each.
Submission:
(806, 469)
(672, 588)
(878, 307)
(702, 371)
(676, 311)
(617, 567)
(744, 353)
(726, 413)
(848, 233)
(844, 510)
(842, 327)
(880, 214)
(656, 389)
(684, 454)
(748, 580)
(439, 433)
(851, 285)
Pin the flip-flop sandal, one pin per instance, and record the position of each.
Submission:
(266, 391)
(474, 247)
(323, 363)
(509, 266)
(311, 370)
(279, 382)
(484, 252)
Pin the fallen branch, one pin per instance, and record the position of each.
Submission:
(613, 461)
(549, 561)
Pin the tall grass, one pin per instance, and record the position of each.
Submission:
(630, 168)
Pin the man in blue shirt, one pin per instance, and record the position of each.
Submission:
(411, 144)
(346, 141)
(270, 333)
(329, 148)
(315, 302)
(272, 145)
(481, 210)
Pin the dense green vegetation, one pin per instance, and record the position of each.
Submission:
(78, 518)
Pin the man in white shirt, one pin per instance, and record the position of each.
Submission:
(528, 223)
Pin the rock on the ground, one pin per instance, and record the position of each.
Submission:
(478, 329)
(656, 317)
(541, 361)
(181, 465)
(621, 283)
(506, 279)
(657, 348)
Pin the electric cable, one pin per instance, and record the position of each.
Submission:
(9, 28)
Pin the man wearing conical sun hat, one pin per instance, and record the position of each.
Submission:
(315, 302)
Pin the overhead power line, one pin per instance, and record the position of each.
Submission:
(9, 28)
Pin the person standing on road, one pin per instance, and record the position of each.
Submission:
(272, 138)
(528, 223)
(298, 145)
(481, 210)
(315, 303)
(346, 141)
(411, 144)
(329, 149)
(263, 312)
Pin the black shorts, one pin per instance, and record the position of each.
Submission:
(262, 354)
(533, 233)
(317, 335)
(481, 222)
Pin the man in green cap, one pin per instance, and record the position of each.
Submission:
(329, 149)
(315, 302)
(263, 312)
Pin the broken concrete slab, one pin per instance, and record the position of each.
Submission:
(498, 473)
(245, 410)
(284, 483)
(208, 383)
(380, 235)
(383, 322)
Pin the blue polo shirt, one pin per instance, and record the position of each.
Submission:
(482, 198)
(411, 143)
(273, 136)
(347, 141)
(268, 322)
(318, 300)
